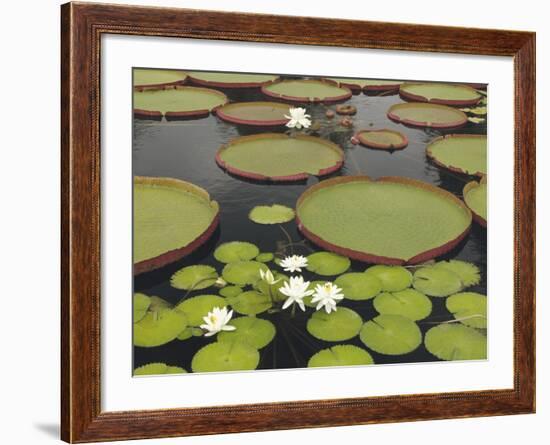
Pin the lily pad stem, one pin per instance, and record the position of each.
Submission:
(290, 242)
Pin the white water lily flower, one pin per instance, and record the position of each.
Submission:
(216, 321)
(294, 263)
(298, 118)
(268, 277)
(327, 295)
(296, 289)
(220, 282)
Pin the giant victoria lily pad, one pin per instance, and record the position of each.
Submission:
(278, 157)
(475, 197)
(382, 139)
(460, 153)
(262, 114)
(230, 80)
(148, 78)
(367, 85)
(440, 93)
(308, 90)
(427, 115)
(177, 102)
(392, 220)
(172, 218)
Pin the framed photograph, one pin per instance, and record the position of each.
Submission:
(276, 222)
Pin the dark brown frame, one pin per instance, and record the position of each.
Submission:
(82, 26)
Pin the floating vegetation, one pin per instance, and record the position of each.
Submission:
(454, 341)
(460, 153)
(172, 218)
(379, 85)
(273, 214)
(194, 277)
(159, 326)
(477, 110)
(340, 325)
(469, 308)
(250, 302)
(476, 120)
(230, 291)
(392, 278)
(234, 251)
(327, 263)
(308, 90)
(427, 115)
(243, 272)
(359, 285)
(225, 356)
(140, 304)
(278, 157)
(357, 216)
(383, 139)
(355, 85)
(475, 197)
(263, 114)
(340, 355)
(253, 331)
(436, 281)
(158, 369)
(265, 257)
(196, 308)
(272, 290)
(408, 302)
(467, 272)
(230, 80)
(440, 93)
(147, 78)
(391, 335)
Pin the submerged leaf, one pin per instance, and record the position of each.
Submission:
(358, 285)
(234, 251)
(453, 341)
(327, 263)
(225, 356)
(274, 214)
(196, 308)
(340, 325)
(470, 308)
(393, 278)
(408, 302)
(436, 281)
(391, 335)
(340, 355)
(243, 272)
(194, 277)
(253, 331)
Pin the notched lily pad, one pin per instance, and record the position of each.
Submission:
(454, 341)
(230, 291)
(253, 331)
(242, 273)
(250, 302)
(408, 302)
(475, 197)
(195, 308)
(327, 263)
(159, 327)
(436, 281)
(225, 356)
(158, 369)
(467, 272)
(273, 214)
(393, 278)
(141, 303)
(340, 325)
(358, 285)
(265, 257)
(194, 277)
(340, 355)
(234, 251)
(391, 335)
(470, 308)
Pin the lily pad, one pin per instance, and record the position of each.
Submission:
(467, 272)
(159, 327)
(243, 272)
(340, 355)
(250, 302)
(195, 308)
(274, 214)
(453, 341)
(358, 285)
(373, 85)
(437, 281)
(408, 302)
(264, 114)
(339, 325)
(440, 93)
(382, 139)
(393, 278)
(140, 304)
(279, 157)
(427, 115)
(390, 221)
(391, 335)
(189, 332)
(225, 356)
(230, 80)
(460, 153)
(265, 257)
(327, 263)
(308, 90)
(194, 277)
(172, 218)
(230, 291)
(234, 251)
(158, 369)
(157, 78)
(253, 331)
(470, 308)
(475, 197)
(273, 289)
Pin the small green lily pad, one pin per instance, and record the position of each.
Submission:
(391, 335)
(467, 272)
(230, 291)
(274, 214)
(340, 355)
(274, 289)
(436, 281)
(159, 327)
(470, 308)
(194, 277)
(327, 263)
(408, 302)
(265, 257)
(158, 369)
(393, 278)
(196, 308)
(243, 272)
(454, 341)
(189, 332)
(234, 251)
(250, 303)
(358, 285)
(140, 305)
(339, 325)
(253, 331)
(225, 356)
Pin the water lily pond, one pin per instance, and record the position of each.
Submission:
(293, 222)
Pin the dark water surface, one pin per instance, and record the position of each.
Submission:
(186, 150)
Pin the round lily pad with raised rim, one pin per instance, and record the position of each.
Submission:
(153, 78)
(194, 277)
(475, 197)
(327, 263)
(408, 302)
(253, 331)
(140, 305)
(250, 302)
(265, 257)
(383, 139)
(339, 325)
(440, 93)
(307, 90)
(426, 115)
(358, 286)
(379, 85)
(460, 153)
(234, 251)
(177, 102)
(195, 308)
(243, 272)
(436, 281)
(468, 273)
(273, 214)
(159, 327)
(225, 356)
(391, 334)
(392, 220)
(158, 369)
(354, 84)
(340, 355)
(263, 114)
(230, 291)
(454, 341)
(172, 218)
(230, 80)
(470, 308)
(278, 157)
(393, 278)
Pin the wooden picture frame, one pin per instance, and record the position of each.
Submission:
(82, 26)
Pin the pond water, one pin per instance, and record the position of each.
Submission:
(186, 150)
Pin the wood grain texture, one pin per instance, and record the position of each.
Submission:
(82, 26)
